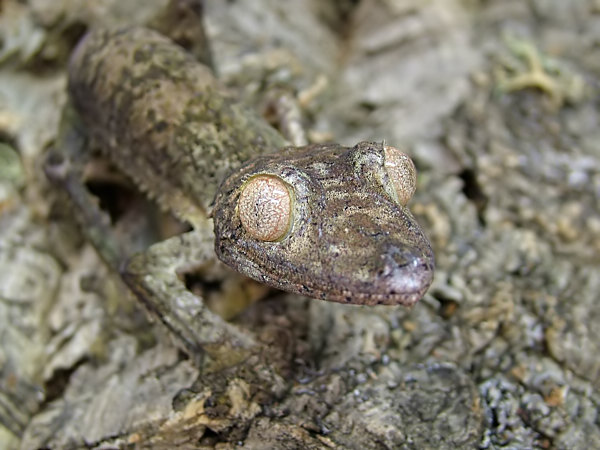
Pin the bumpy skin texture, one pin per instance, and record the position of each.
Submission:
(350, 240)
(166, 122)
(162, 117)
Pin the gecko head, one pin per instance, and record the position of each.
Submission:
(328, 222)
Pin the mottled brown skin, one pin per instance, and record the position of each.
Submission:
(350, 240)
(164, 120)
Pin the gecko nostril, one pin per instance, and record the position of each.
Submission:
(403, 271)
(394, 258)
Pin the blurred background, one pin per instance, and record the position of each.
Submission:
(497, 103)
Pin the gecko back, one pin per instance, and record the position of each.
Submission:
(162, 117)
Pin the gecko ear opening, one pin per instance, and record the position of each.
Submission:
(265, 208)
(402, 173)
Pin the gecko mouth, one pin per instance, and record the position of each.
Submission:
(399, 285)
(390, 267)
(351, 239)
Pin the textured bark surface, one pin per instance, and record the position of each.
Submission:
(497, 104)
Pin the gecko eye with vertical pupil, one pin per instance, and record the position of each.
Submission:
(265, 208)
(402, 172)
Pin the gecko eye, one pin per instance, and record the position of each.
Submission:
(402, 172)
(265, 208)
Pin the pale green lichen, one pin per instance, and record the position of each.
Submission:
(528, 68)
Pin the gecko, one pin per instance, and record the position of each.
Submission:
(323, 220)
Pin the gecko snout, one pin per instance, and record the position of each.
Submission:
(408, 275)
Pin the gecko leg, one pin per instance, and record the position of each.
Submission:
(63, 167)
(153, 277)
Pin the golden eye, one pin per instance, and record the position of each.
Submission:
(402, 172)
(265, 208)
